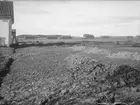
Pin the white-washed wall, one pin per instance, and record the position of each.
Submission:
(4, 30)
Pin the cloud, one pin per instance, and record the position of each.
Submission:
(29, 8)
(109, 20)
(76, 18)
(126, 19)
(34, 11)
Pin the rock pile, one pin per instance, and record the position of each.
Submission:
(106, 84)
(59, 77)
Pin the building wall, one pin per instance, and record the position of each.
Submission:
(5, 29)
(10, 31)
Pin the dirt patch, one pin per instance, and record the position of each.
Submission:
(60, 76)
(78, 48)
(91, 50)
(97, 50)
(107, 52)
(125, 55)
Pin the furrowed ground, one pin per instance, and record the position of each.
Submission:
(76, 75)
(5, 61)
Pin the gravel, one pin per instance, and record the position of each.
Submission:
(61, 76)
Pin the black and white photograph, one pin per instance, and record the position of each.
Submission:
(69, 52)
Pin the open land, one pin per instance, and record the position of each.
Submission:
(81, 74)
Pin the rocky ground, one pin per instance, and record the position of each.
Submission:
(70, 76)
(4, 61)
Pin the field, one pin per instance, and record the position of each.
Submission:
(96, 39)
(82, 74)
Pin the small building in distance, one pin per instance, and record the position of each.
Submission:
(6, 20)
(88, 36)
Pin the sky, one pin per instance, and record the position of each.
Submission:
(69, 17)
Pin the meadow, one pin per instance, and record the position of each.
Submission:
(96, 39)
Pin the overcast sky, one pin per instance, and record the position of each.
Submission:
(77, 17)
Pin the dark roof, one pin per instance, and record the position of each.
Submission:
(7, 10)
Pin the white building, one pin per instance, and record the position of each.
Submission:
(6, 20)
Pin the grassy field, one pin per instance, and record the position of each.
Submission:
(100, 42)
(111, 39)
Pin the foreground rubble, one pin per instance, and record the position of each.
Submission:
(60, 76)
